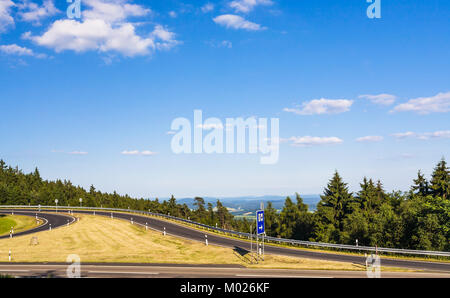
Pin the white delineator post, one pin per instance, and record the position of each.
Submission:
(206, 240)
(164, 233)
(50, 225)
(9, 257)
(146, 227)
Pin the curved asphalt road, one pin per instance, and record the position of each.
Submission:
(53, 219)
(197, 235)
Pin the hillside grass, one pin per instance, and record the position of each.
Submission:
(20, 223)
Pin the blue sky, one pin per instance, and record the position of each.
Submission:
(368, 97)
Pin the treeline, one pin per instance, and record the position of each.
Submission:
(416, 219)
(18, 188)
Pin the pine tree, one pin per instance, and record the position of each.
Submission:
(271, 220)
(420, 186)
(335, 204)
(440, 180)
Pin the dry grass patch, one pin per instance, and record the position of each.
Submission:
(101, 239)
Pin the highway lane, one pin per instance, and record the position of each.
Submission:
(197, 235)
(191, 271)
(50, 219)
(178, 230)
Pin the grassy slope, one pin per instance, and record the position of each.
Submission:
(100, 239)
(19, 222)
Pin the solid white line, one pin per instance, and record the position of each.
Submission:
(279, 276)
(114, 272)
(14, 270)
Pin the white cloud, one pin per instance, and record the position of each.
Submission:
(172, 14)
(221, 44)
(14, 49)
(6, 20)
(381, 99)
(113, 10)
(370, 139)
(322, 106)
(104, 28)
(103, 37)
(246, 6)
(165, 39)
(208, 7)
(441, 134)
(236, 22)
(78, 153)
(137, 152)
(311, 141)
(32, 12)
(148, 153)
(439, 103)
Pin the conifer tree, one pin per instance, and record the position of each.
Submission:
(440, 180)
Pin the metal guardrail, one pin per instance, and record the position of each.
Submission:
(248, 235)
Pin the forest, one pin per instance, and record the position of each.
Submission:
(418, 218)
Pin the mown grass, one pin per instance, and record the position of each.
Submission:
(18, 222)
(100, 239)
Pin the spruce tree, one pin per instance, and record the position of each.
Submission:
(440, 180)
(335, 204)
(420, 186)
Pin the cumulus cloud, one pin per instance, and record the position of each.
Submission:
(311, 141)
(236, 22)
(208, 7)
(105, 28)
(441, 134)
(14, 49)
(370, 139)
(6, 20)
(246, 6)
(322, 106)
(381, 99)
(137, 152)
(32, 12)
(439, 103)
(113, 10)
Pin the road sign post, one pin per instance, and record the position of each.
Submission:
(260, 230)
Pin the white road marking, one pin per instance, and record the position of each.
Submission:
(279, 276)
(119, 272)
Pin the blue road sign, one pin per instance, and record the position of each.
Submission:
(260, 221)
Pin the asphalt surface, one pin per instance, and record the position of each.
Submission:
(238, 245)
(50, 219)
(189, 271)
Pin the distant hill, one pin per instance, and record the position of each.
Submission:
(244, 204)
